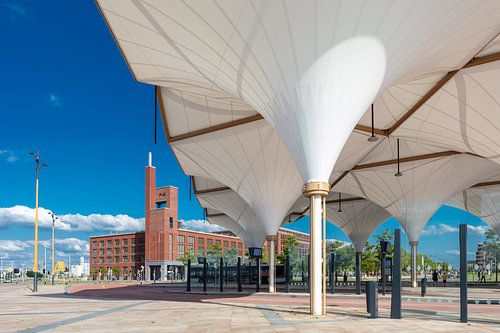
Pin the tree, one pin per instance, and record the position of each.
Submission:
(214, 252)
(115, 270)
(344, 255)
(290, 244)
(492, 249)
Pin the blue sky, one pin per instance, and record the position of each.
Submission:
(68, 92)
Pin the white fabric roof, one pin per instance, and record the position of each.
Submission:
(240, 216)
(358, 219)
(482, 201)
(414, 197)
(283, 59)
(251, 160)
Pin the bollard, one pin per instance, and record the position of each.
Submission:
(258, 275)
(238, 274)
(463, 273)
(205, 276)
(287, 274)
(396, 277)
(423, 287)
(372, 298)
(188, 283)
(221, 275)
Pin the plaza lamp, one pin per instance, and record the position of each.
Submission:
(372, 137)
(39, 166)
(399, 173)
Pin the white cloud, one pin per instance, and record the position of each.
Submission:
(457, 252)
(480, 229)
(8, 155)
(25, 216)
(439, 230)
(200, 225)
(13, 245)
(55, 100)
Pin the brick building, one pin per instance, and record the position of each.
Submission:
(158, 252)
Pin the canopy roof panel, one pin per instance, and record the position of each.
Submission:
(425, 184)
(482, 201)
(251, 160)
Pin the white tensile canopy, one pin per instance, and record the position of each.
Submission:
(483, 201)
(311, 69)
(226, 208)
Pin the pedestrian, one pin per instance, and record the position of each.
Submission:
(445, 277)
(435, 277)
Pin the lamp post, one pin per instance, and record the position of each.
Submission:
(53, 272)
(39, 166)
(384, 249)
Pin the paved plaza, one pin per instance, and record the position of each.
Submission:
(151, 308)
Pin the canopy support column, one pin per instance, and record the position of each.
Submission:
(413, 246)
(272, 268)
(316, 191)
(358, 273)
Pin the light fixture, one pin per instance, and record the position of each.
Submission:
(373, 138)
(340, 203)
(399, 173)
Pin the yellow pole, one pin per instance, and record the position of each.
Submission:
(35, 263)
(324, 254)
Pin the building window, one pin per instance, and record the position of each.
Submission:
(94, 260)
(210, 242)
(217, 242)
(161, 204)
(117, 259)
(108, 260)
(191, 249)
(101, 260)
(109, 242)
(101, 252)
(170, 246)
(240, 245)
(171, 222)
(132, 241)
(94, 252)
(180, 249)
(191, 240)
(233, 245)
(201, 241)
(132, 258)
(117, 251)
(180, 239)
(108, 251)
(125, 250)
(101, 243)
(226, 244)
(94, 244)
(201, 251)
(125, 259)
(132, 249)
(125, 242)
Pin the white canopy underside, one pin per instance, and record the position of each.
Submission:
(424, 186)
(482, 201)
(223, 64)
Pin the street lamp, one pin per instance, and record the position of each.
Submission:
(54, 218)
(39, 166)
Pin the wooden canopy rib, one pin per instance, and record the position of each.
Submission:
(216, 128)
(368, 129)
(344, 200)
(476, 61)
(406, 159)
(215, 215)
(491, 183)
(211, 190)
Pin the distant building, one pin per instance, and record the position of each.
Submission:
(81, 269)
(159, 252)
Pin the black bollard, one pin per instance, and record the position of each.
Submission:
(396, 277)
(287, 274)
(188, 284)
(205, 276)
(249, 272)
(463, 273)
(238, 274)
(221, 274)
(257, 285)
(372, 298)
(332, 273)
(423, 287)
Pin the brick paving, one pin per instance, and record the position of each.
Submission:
(132, 308)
